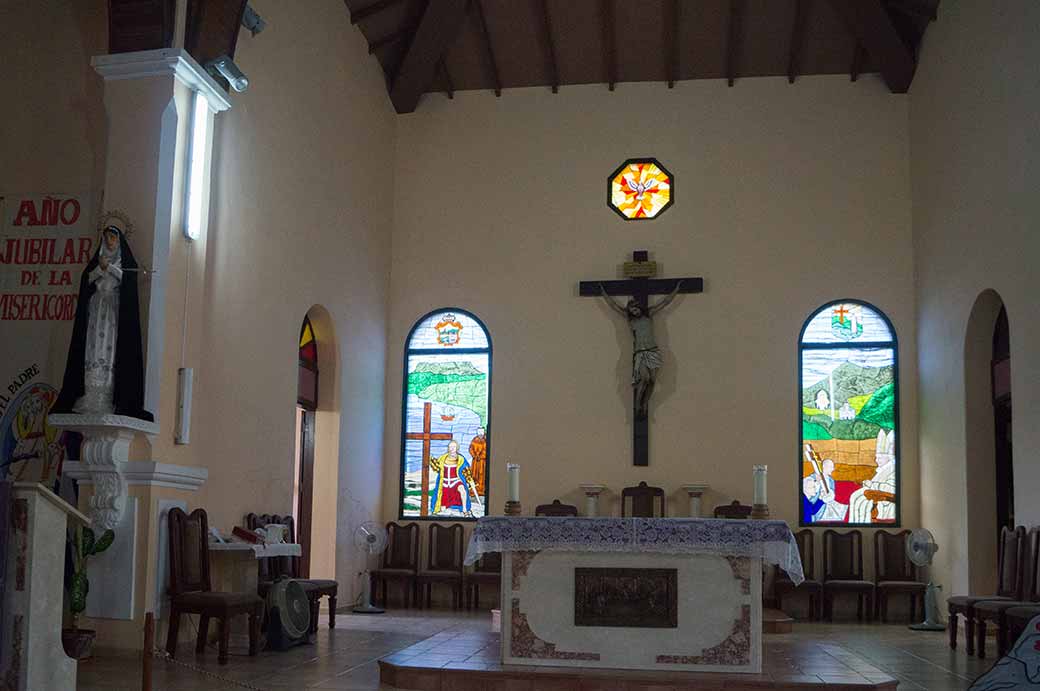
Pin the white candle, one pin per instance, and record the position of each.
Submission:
(514, 481)
(760, 484)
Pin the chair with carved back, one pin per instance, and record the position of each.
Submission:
(400, 562)
(733, 510)
(1018, 619)
(1010, 556)
(642, 499)
(276, 567)
(782, 584)
(894, 573)
(556, 509)
(843, 571)
(444, 552)
(486, 572)
(191, 592)
(996, 610)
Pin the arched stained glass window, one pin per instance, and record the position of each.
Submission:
(445, 431)
(849, 400)
(307, 380)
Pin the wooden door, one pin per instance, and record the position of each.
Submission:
(305, 497)
(1001, 379)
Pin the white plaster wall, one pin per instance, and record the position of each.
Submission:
(786, 197)
(975, 154)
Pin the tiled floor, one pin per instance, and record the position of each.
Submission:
(345, 658)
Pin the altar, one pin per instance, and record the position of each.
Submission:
(671, 594)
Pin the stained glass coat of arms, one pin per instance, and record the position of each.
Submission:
(640, 189)
(849, 415)
(445, 432)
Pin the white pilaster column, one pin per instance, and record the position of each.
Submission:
(592, 493)
(695, 491)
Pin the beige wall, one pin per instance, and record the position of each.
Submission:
(975, 162)
(786, 197)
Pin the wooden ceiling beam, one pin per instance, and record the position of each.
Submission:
(447, 79)
(390, 38)
(871, 25)
(436, 31)
(794, 58)
(673, 37)
(554, 70)
(609, 44)
(858, 55)
(733, 39)
(369, 10)
(482, 22)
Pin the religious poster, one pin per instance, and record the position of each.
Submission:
(45, 242)
(445, 447)
(849, 416)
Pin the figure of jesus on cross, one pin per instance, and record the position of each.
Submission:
(646, 358)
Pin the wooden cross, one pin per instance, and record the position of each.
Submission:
(426, 436)
(640, 284)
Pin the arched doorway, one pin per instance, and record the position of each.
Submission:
(989, 502)
(306, 408)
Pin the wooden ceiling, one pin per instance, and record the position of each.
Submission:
(427, 46)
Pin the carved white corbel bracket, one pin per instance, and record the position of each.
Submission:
(104, 453)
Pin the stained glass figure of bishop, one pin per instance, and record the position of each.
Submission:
(452, 486)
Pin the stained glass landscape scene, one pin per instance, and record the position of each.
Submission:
(445, 455)
(848, 418)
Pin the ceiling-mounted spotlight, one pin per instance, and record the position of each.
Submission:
(229, 70)
(252, 21)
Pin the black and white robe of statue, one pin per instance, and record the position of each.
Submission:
(105, 369)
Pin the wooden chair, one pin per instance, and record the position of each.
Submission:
(995, 610)
(1010, 555)
(643, 501)
(556, 509)
(487, 571)
(733, 510)
(843, 571)
(443, 562)
(314, 588)
(191, 592)
(782, 584)
(894, 573)
(1018, 619)
(400, 562)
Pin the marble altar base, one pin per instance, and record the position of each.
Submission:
(718, 627)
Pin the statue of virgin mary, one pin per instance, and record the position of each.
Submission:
(104, 373)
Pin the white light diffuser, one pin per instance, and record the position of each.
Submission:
(196, 167)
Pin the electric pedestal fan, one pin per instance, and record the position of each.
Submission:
(920, 548)
(369, 538)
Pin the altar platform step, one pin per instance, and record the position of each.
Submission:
(469, 662)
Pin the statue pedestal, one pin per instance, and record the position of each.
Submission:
(34, 591)
(695, 491)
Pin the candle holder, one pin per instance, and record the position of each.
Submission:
(513, 508)
(759, 511)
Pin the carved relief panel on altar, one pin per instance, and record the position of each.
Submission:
(639, 598)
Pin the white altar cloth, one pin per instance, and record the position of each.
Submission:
(771, 541)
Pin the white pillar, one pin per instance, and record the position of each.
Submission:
(695, 491)
(592, 493)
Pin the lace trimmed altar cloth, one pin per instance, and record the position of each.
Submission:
(772, 541)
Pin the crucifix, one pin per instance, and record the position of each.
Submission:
(426, 436)
(646, 359)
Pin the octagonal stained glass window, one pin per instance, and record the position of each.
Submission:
(640, 189)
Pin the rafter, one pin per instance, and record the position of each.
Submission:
(870, 23)
(437, 30)
(369, 10)
(450, 91)
(733, 39)
(482, 22)
(673, 37)
(794, 58)
(858, 56)
(609, 47)
(390, 38)
(554, 71)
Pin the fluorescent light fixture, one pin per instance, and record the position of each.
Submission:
(196, 167)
